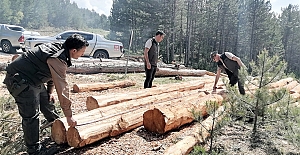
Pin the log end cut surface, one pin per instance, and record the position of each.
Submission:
(153, 120)
(58, 132)
(91, 103)
(73, 137)
(75, 88)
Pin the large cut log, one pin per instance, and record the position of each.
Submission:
(93, 102)
(97, 129)
(295, 89)
(93, 66)
(163, 72)
(164, 118)
(102, 86)
(200, 134)
(287, 83)
(296, 96)
(281, 83)
(291, 85)
(59, 126)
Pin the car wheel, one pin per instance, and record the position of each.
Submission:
(101, 54)
(7, 47)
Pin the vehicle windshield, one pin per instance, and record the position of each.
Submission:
(15, 28)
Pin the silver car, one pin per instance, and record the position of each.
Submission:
(11, 37)
(99, 47)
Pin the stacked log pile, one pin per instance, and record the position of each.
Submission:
(117, 118)
(94, 102)
(159, 109)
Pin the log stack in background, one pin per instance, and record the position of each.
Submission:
(102, 86)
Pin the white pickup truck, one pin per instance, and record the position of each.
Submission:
(99, 47)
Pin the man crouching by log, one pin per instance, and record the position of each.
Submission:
(25, 79)
(151, 57)
(231, 65)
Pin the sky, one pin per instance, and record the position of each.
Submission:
(100, 6)
(104, 6)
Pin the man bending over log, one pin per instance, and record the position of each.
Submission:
(25, 79)
(231, 64)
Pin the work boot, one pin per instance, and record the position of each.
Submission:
(45, 151)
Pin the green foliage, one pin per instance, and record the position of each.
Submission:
(198, 150)
(211, 108)
(39, 14)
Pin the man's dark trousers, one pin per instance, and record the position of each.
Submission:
(233, 79)
(150, 73)
(31, 101)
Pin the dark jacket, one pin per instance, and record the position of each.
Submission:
(153, 53)
(32, 65)
(230, 65)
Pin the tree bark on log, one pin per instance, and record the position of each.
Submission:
(93, 102)
(59, 126)
(164, 72)
(102, 86)
(164, 118)
(186, 145)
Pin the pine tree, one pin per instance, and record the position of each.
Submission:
(266, 70)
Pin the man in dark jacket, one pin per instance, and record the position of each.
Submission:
(25, 80)
(151, 57)
(231, 64)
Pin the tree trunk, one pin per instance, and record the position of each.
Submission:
(92, 66)
(102, 86)
(199, 135)
(166, 117)
(163, 72)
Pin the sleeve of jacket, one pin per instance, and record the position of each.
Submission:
(58, 71)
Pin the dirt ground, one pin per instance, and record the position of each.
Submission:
(233, 139)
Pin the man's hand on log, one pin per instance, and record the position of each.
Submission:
(71, 121)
